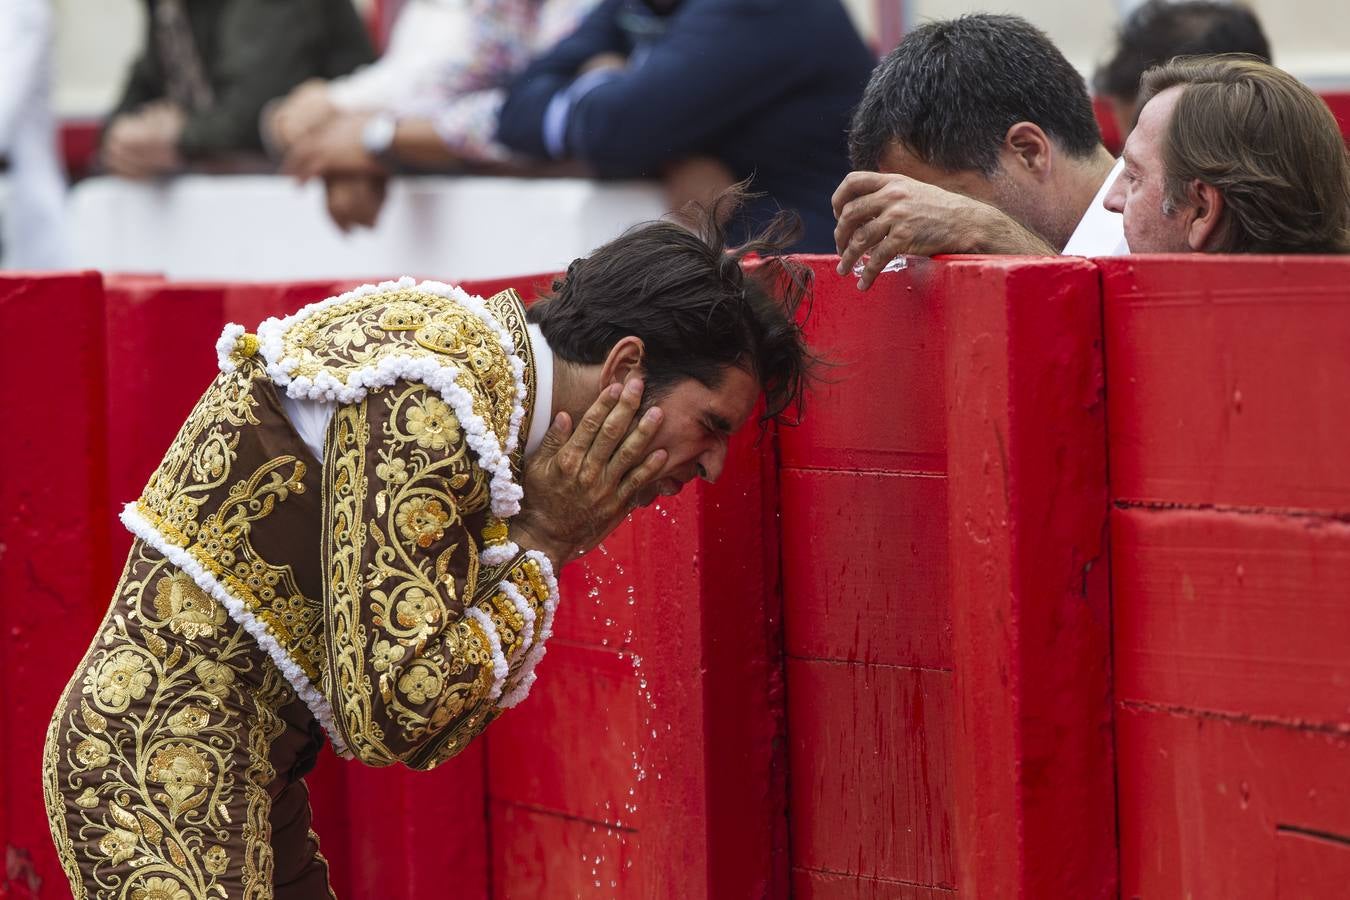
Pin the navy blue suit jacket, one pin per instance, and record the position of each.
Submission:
(765, 86)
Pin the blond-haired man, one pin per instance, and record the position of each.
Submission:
(1232, 155)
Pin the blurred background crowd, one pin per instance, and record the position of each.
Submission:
(475, 138)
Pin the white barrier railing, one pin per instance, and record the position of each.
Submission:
(247, 227)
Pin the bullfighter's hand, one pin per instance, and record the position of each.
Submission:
(580, 484)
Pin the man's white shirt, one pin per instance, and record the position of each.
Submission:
(1100, 232)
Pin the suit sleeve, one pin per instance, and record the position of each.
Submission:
(425, 643)
(264, 48)
(717, 62)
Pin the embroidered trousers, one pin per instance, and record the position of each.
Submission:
(174, 761)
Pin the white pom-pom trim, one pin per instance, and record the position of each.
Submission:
(225, 345)
(142, 528)
(493, 454)
(498, 554)
(499, 667)
(526, 612)
(519, 689)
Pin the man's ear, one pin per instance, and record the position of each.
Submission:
(623, 362)
(1028, 149)
(1203, 231)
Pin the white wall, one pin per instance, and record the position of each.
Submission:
(1311, 38)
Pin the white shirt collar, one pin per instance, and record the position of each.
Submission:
(1100, 232)
(543, 388)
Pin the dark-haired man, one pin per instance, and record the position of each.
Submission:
(975, 135)
(1232, 155)
(355, 534)
(1160, 30)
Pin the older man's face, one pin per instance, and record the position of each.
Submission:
(1150, 226)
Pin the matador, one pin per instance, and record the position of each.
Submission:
(354, 539)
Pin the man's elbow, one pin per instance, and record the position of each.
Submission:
(622, 144)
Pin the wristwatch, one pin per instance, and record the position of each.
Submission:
(377, 135)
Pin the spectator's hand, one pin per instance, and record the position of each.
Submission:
(355, 199)
(885, 216)
(600, 61)
(302, 111)
(144, 144)
(579, 485)
(335, 149)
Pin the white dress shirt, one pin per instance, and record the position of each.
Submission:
(1100, 232)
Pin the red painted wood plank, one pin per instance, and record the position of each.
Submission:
(865, 567)
(528, 286)
(538, 856)
(870, 752)
(161, 356)
(601, 594)
(1232, 612)
(813, 885)
(53, 540)
(574, 746)
(1339, 104)
(411, 834)
(1215, 808)
(1027, 498)
(1228, 379)
(881, 407)
(680, 741)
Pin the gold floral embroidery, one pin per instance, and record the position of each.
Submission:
(156, 888)
(422, 521)
(189, 720)
(432, 424)
(162, 744)
(403, 665)
(184, 772)
(121, 678)
(216, 860)
(216, 678)
(187, 608)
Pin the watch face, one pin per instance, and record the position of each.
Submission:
(378, 134)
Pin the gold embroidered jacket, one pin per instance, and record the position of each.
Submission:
(380, 579)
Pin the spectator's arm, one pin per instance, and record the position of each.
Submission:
(520, 124)
(718, 62)
(264, 48)
(145, 81)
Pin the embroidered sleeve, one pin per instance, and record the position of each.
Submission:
(425, 640)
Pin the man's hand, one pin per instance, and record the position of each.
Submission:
(303, 110)
(144, 144)
(355, 199)
(579, 485)
(885, 216)
(334, 149)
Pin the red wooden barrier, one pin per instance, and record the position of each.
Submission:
(1030, 594)
(1228, 380)
(53, 541)
(868, 639)
(948, 703)
(643, 763)
(943, 523)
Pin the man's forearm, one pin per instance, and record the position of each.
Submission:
(993, 232)
(417, 144)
